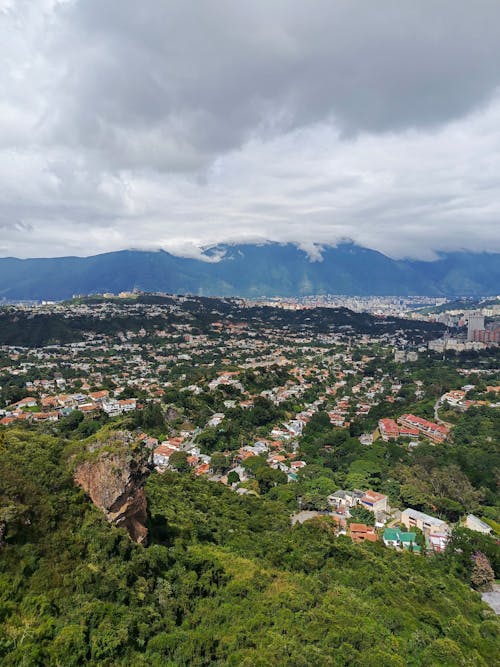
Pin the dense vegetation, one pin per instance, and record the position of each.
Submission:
(28, 329)
(447, 480)
(225, 580)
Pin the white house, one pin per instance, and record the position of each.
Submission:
(474, 523)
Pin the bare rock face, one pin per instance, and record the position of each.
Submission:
(113, 477)
(171, 414)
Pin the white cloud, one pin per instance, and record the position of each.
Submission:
(178, 125)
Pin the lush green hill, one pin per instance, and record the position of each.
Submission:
(225, 580)
(251, 271)
(38, 328)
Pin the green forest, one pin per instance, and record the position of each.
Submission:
(224, 580)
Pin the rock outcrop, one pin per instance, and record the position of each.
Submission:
(113, 476)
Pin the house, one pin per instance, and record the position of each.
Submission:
(127, 404)
(99, 396)
(388, 429)
(407, 432)
(360, 532)
(243, 454)
(345, 499)
(6, 421)
(203, 469)
(216, 419)
(149, 442)
(162, 454)
(260, 447)
(394, 537)
(28, 402)
(337, 419)
(66, 401)
(375, 502)
(454, 397)
(281, 433)
(111, 407)
(427, 524)
(435, 432)
(474, 523)
(45, 416)
(49, 402)
(437, 541)
(276, 460)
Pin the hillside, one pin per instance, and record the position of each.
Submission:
(73, 321)
(224, 580)
(251, 271)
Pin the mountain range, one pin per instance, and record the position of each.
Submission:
(270, 269)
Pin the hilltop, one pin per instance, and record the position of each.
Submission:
(74, 320)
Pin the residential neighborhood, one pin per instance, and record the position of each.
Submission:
(230, 399)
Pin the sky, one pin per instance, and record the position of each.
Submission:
(180, 124)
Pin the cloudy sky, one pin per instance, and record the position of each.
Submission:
(181, 123)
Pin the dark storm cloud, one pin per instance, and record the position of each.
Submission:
(190, 122)
(190, 79)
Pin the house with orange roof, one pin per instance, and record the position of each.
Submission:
(49, 402)
(243, 454)
(360, 532)
(162, 454)
(374, 501)
(407, 432)
(127, 404)
(28, 402)
(435, 432)
(45, 416)
(388, 428)
(89, 408)
(6, 421)
(99, 396)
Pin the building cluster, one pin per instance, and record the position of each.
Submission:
(479, 333)
(51, 407)
(202, 374)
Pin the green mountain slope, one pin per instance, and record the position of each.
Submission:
(251, 271)
(225, 580)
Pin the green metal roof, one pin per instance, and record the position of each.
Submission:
(391, 534)
(407, 537)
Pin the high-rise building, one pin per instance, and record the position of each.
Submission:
(475, 322)
(487, 335)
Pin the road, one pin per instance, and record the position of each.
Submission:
(437, 418)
